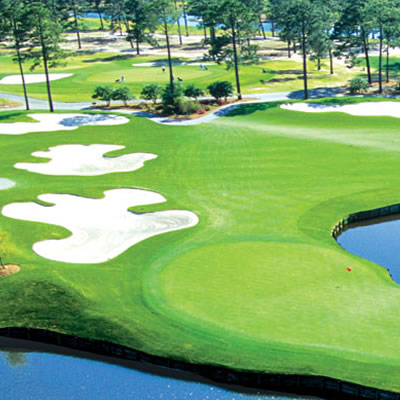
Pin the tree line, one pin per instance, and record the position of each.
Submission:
(314, 28)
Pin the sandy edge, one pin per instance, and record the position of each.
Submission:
(31, 78)
(10, 270)
(366, 109)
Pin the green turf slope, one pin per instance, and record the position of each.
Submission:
(259, 283)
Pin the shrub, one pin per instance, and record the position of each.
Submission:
(122, 93)
(171, 99)
(152, 92)
(220, 89)
(103, 93)
(193, 91)
(187, 107)
(201, 111)
(358, 84)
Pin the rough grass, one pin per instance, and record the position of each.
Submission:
(259, 284)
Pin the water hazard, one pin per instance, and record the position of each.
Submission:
(377, 240)
(28, 374)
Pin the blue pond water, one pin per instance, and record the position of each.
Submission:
(378, 241)
(45, 376)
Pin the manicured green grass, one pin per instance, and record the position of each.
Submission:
(259, 283)
(91, 70)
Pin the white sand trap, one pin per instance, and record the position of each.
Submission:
(59, 122)
(31, 78)
(6, 183)
(77, 159)
(377, 109)
(101, 228)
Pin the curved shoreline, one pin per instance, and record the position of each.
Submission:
(310, 385)
(359, 217)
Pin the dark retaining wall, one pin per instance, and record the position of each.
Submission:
(327, 388)
(364, 216)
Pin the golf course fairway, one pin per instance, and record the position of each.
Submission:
(258, 284)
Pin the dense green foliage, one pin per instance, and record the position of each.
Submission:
(220, 89)
(358, 85)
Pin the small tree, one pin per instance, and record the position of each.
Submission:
(122, 93)
(104, 93)
(152, 92)
(358, 84)
(193, 91)
(171, 98)
(220, 89)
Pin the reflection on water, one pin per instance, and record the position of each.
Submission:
(46, 376)
(377, 240)
(15, 358)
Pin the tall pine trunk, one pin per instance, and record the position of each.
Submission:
(171, 73)
(262, 27)
(236, 60)
(380, 58)
(101, 19)
(46, 68)
(304, 49)
(179, 24)
(365, 45)
(128, 31)
(272, 28)
(331, 61)
(21, 69)
(387, 63)
(78, 34)
(212, 38)
(137, 44)
(289, 43)
(186, 20)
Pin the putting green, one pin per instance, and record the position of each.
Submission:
(259, 283)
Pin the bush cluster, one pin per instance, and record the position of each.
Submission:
(358, 85)
(175, 99)
(108, 93)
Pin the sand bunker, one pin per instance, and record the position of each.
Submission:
(101, 228)
(31, 78)
(77, 159)
(59, 122)
(6, 183)
(384, 108)
(9, 270)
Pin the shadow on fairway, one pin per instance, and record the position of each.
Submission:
(119, 57)
(247, 109)
(317, 93)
